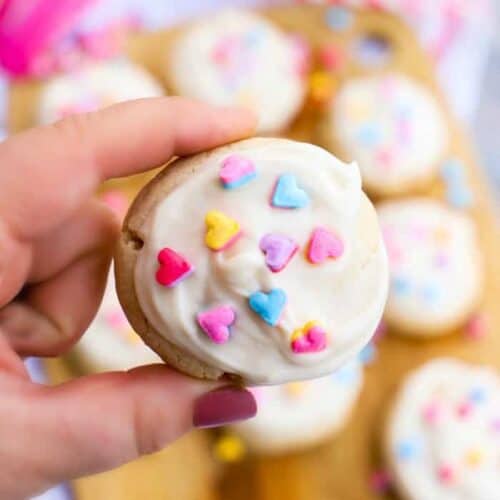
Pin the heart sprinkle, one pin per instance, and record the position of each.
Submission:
(222, 231)
(323, 245)
(173, 268)
(216, 323)
(287, 194)
(309, 338)
(268, 306)
(236, 171)
(278, 249)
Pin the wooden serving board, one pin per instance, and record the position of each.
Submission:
(340, 468)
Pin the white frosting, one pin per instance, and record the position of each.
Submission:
(345, 295)
(94, 86)
(392, 127)
(434, 264)
(238, 58)
(444, 433)
(302, 414)
(109, 342)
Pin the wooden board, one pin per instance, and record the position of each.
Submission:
(339, 469)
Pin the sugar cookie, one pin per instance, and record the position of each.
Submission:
(393, 127)
(302, 414)
(443, 434)
(434, 266)
(264, 318)
(94, 86)
(236, 57)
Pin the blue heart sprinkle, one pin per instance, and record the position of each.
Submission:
(477, 395)
(406, 450)
(369, 135)
(400, 286)
(268, 305)
(338, 18)
(459, 196)
(245, 179)
(452, 170)
(287, 194)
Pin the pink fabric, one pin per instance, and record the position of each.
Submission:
(28, 27)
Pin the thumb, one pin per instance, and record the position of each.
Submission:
(101, 421)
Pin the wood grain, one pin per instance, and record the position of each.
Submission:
(339, 469)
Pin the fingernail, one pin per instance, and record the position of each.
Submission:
(223, 406)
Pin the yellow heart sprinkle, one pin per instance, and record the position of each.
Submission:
(473, 457)
(295, 389)
(229, 448)
(299, 332)
(321, 86)
(132, 337)
(221, 230)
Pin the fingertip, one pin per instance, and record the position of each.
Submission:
(244, 120)
(224, 406)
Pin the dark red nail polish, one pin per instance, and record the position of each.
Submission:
(223, 406)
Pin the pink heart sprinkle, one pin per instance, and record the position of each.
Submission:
(235, 169)
(172, 268)
(314, 340)
(431, 413)
(464, 410)
(216, 322)
(116, 319)
(476, 327)
(279, 250)
(224, 50)
(323, 245)
(384, 158)
(446, 474)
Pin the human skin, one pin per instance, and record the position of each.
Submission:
(55, 248)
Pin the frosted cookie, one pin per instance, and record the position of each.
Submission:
(392, 127)
(302, 414)
(247, 261)
(239, 58)
(434, 266)
(110, 343)
(94, 86)
(443, 434)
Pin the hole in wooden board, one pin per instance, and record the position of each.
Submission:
(373, 49)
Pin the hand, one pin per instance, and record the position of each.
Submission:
(55, 247)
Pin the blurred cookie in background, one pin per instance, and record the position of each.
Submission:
(237, 58)
(443, 434)
(436, 279)
(110, 343)
(93, 86)
(393, 127)
(298, 415)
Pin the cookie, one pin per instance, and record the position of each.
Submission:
(434, 266)
(237, 58)
(443, 434)
(262, 260)
(299, 415)
(110, 343)
(94, 86)
(393, 127)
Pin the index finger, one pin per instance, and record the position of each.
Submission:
(48, 172)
